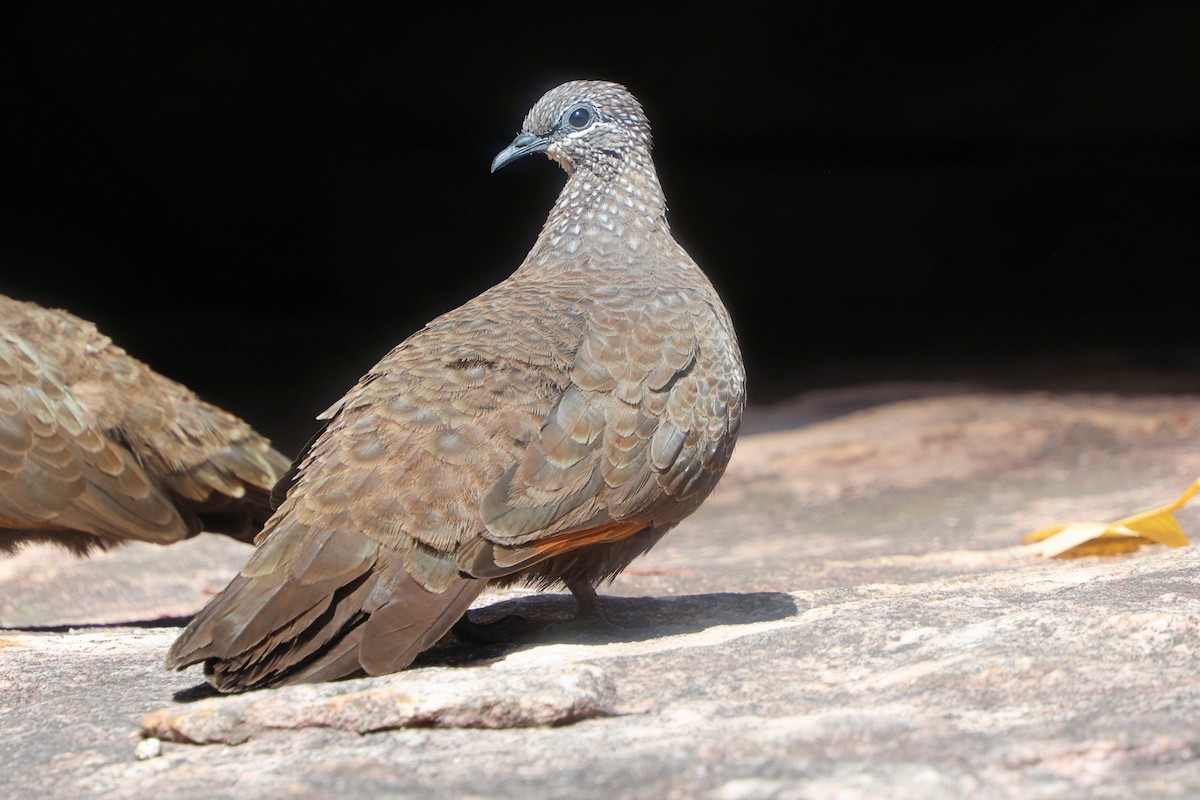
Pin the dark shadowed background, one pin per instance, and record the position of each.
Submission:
(261, 200)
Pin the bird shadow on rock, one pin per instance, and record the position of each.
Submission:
(161, 622)
(551, 619)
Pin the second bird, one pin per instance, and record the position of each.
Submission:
(548, 431)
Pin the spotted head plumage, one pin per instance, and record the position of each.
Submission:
(596, 126)
(599, 134)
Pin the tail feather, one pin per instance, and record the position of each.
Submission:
(287, 654)
(302, 640)
(336, 605)
(412, 622)
(339, 661)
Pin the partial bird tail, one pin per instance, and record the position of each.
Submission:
(317, 605)
(222, 483)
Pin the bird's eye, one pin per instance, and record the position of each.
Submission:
(580, 118)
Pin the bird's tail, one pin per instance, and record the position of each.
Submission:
(317, 605)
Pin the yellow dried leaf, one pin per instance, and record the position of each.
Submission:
(1110, 538)
(1161, 527)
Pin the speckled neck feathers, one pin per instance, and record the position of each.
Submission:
(612, 205)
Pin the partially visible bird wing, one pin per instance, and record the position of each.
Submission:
(412, 449)
(59, 470)
(96, 447)
(356, 571)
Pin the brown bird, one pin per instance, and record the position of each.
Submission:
(97, 449)
(548, 431)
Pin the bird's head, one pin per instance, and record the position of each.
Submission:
(595, 126)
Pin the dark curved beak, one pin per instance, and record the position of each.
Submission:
(523, 145)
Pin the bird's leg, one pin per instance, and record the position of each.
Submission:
(590, 608)
(589, 619)
(591, 615)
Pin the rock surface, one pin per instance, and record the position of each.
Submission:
(851, 615)
(432, 698)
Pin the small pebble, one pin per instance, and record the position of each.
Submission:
(148, 748)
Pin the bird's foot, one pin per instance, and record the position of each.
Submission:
(590, 622)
